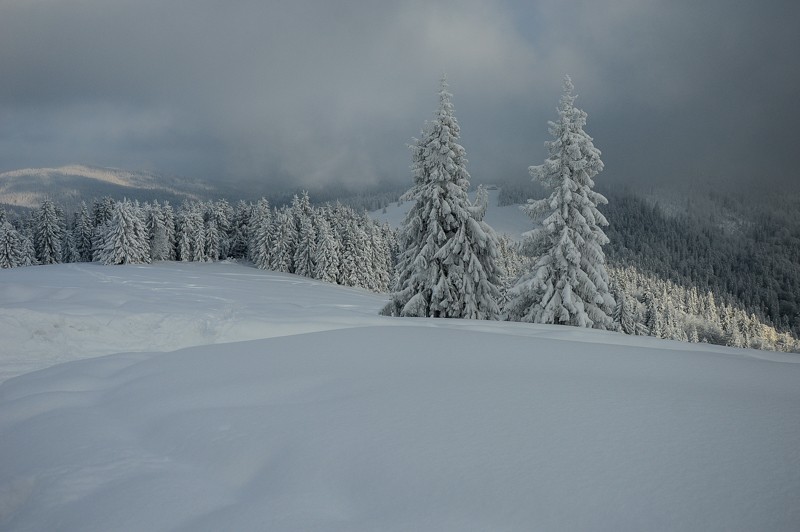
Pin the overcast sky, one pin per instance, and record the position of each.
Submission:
(312, 91)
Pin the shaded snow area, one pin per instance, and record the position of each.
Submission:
(339, 419)
(509, 220)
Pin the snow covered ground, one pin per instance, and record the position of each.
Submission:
(264, 401)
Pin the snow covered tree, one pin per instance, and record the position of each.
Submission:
(306, 250)
(283, 232)
(217, 224)
(102, 210)
(624, 320)
(69, 247)
(569, 283)
(260, 230)
(239, 230)
(158, 236)
(168, 216)
(652, 316)
(125, 240)
(191, 233)
(48, 233)
(83, 233)
(447, 264)
(15, 249)
(326, 261)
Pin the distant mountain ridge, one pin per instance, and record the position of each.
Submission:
(71, 184)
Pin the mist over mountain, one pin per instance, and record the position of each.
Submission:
(69, 185)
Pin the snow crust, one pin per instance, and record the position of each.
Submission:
(330, 417)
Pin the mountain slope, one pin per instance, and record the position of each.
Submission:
(69, 185)
(340, 419)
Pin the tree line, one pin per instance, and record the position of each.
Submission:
(332, 242)
(444, 262)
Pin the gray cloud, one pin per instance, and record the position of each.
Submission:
(309, 91)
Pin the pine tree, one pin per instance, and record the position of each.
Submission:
(652, 317)
(168, 216)
(447, 264)
(125, 240)
(48, 234)
(240, 237)
(157, 233)
(569, 283)
(260, 230)
(623, 313)
(191, 233)
(15, 249)
(102, 210)
(69, 247)
(306, 250)
(326, 261)
(283, 234)
(83, 233)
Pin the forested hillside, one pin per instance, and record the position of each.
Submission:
(745, 248)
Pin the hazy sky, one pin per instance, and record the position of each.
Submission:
(315, 91)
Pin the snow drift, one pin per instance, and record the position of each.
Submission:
(345, 420)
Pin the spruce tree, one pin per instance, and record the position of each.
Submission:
(15, 249)
(157, 233)
(447, 264)
(326, 261)
(306, 250)
(125, 240)
(260, 230)
(83, 233)
(48, 233)
(569, 283)
(283, 235)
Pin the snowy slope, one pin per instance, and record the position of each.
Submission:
(339, 419)
(509, 220)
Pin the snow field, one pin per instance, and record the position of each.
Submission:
(339, 419)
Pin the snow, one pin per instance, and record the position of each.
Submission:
(265, 401)
(509, 220)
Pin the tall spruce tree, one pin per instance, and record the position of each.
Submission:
(48, 233)
(446, 267)
(569, 283)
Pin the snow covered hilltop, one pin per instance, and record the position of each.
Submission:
(330, 417)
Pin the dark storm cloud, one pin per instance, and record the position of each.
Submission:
(314, 91)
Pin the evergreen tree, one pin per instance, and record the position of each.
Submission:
(240, 237)
(125, 240)
(447, 264)
(191, 233)
(102, 210)
(15, 249)
(83, 233)
(306, 250)
(569, 282)
(158, 236)
(282, 242)
(69, 247)
(652, 317)
(260, 230)
(624, 319)
(326, 261)
(48, 234)
(168, 216)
